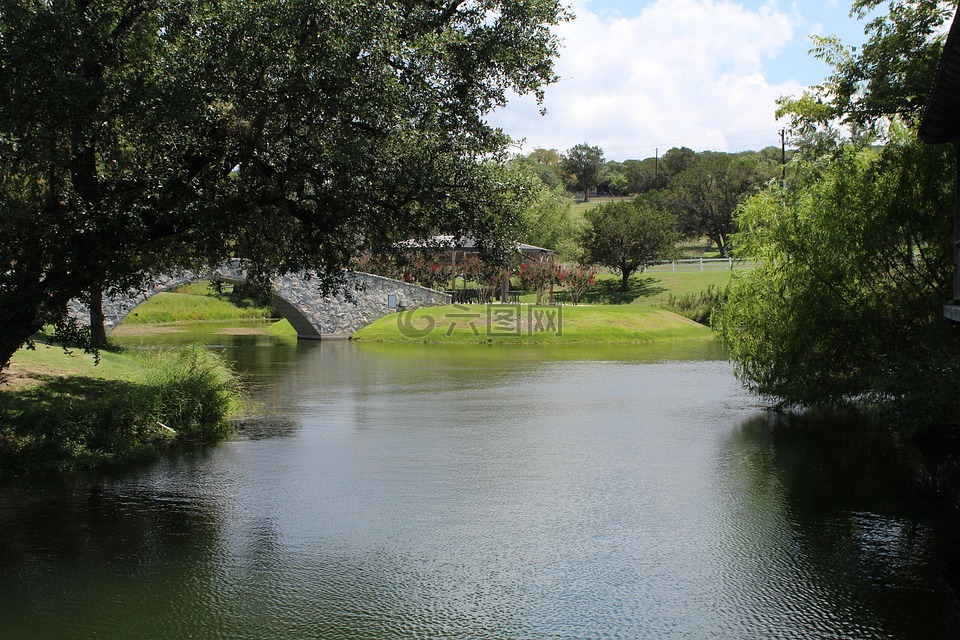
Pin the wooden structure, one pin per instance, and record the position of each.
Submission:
(454, 246)
(941, 124)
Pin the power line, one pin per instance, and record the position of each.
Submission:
(769, 134)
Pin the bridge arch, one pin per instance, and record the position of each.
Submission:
(365, 298)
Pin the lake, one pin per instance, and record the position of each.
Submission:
(429, 491)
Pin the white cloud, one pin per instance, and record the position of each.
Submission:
(681, 72)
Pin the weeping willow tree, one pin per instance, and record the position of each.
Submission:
(854, 264)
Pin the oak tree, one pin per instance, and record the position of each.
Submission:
(141, 135)
(627, 236)
(585, 166)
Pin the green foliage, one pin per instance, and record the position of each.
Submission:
(705, 194)
(577, 281)
(628, 236)
(77, 422)
(296, 134)
(546, 164)
(185, 307)
(698, 306)
(677, 160)
(888, 78)
(486, 275)
(585, 166)
(551, 222)
(854, 264)
(617, 182)
(538, 276)
(855, 259)
(642, 175)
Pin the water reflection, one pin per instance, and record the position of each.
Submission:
(106, 555)
(253, 352)
(850, 518)
(390, 491)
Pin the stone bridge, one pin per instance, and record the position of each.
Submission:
(366, 298)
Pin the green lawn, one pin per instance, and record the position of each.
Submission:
(647, 292)
(640, 323)
(581, 207)
(197, 301)
(30, 366)
(528, 324)
(654, 287)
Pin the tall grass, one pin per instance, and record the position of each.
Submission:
(698, 306)
(71, 422)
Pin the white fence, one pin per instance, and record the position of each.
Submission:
(700, 264)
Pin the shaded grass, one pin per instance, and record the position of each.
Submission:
(654, 287)
(64, 413)
(529, 324)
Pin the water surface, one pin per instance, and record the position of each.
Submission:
(488, 492)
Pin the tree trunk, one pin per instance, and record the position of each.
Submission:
(17, 330)
(624, 280)
(98, 333)
(721, 241)
(8, 346)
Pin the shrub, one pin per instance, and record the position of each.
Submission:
(77, 422)
(696, 306)
(577, 282)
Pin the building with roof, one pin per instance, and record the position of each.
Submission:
(941, 124)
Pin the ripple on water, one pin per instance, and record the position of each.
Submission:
(404, 496)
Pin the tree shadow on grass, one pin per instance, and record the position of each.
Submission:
(607, 291)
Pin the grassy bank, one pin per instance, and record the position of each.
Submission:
(60, 413)
(528, 324)
(690, 293)
(655, 287)
(199, 301)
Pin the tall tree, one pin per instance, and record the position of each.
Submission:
(547, 164)
(628, 236)
(585, 165)
(853, 266)
(549, 222)
(676, 160)
(140, 135)
(643, 175)
(705, 195)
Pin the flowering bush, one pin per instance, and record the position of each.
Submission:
(538, 276)
(487, 276)
(428, 271)
(577, 281)
(378, 265)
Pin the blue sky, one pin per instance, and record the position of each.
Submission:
(645, 75)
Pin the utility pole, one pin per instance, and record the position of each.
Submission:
(656, 165)
(783, 159)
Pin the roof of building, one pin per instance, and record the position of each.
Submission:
(941, 118)
(447, 242)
